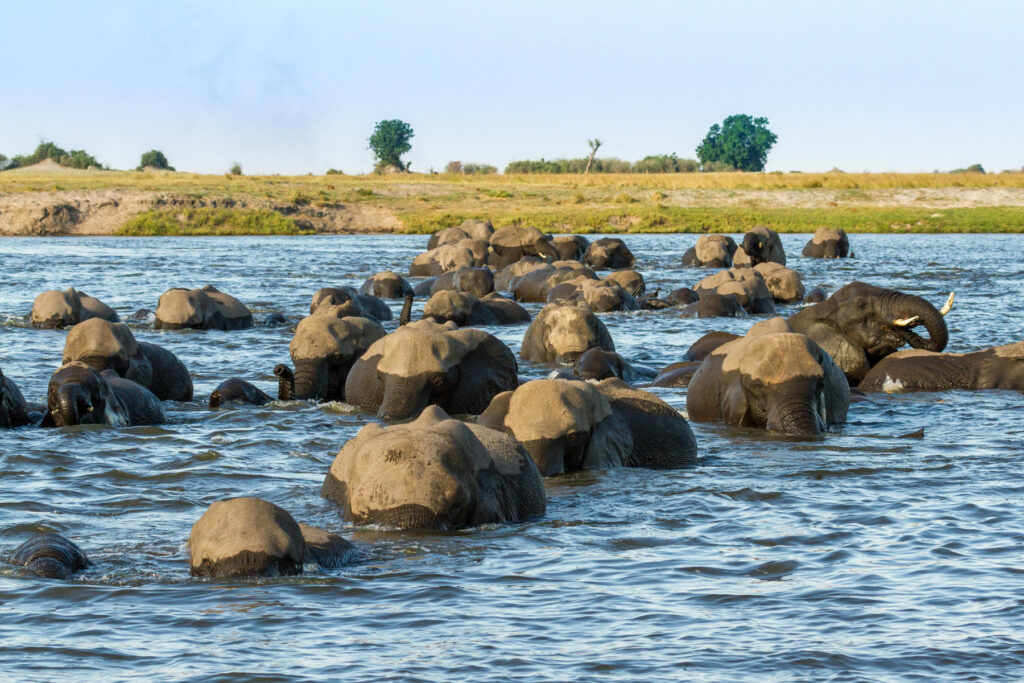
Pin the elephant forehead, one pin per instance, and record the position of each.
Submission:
(318, 336)
(99, 337)
(56, 300)
(230, 527)
(182, 305)
(416, 352)
(774, 358)
(552, 408)
(822, 235)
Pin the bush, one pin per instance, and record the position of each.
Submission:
(717, 167)
(3, 161)
(973, 168)
(479, 169)
(154, 159)
(664, 163)
(76, 158)
(334, 171)
(213, 222)
(236, 169)
(453, 167)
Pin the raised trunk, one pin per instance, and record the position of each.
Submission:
(908, 305)
(406, 310)
(404, 397)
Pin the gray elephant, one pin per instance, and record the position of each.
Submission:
(761, 244)
(746, 284)
(784, 284)
(506, 278)
(112, 346)
(630, 280)
(57, 309)
(77, 394)
(386, 285)
(340, 302)
(560, 334)
(425, 363)
(601, 296)
(711, 251)
(447, 257)
(570, 247)
(201, 309)
(599, 364)
(609, 252)
(13, 408)
(323, 351)
(778, 380)
(676, 375)
(711, 304)
(252, 537)
(463, 308)
(828, 243)
(511, 243)
(50, 556)
(1000, 367)
(473, 229)
(476, 281)
(434, 473)
(235, 390)
(535, 285)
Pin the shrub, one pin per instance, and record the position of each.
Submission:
(499, 194)
(623, 198)
(236, 169)
(716, 167)
(334, 171)
(973, 168)
(207, 221)
(154, 159)
(363, 192)
(3, 161)
(479, 169)
(76, 158)
(453, 167)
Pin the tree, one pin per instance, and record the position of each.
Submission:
(3, 161)
(453, 167)
(154, 159)
(741, 142)
(594, 144)
(236, 169)
(390, 140)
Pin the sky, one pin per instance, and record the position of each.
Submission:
(296, 87)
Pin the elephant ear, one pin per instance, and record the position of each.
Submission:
(363, 386)
(487, 369)
(734, 404)
(849, 357)
(494, 416)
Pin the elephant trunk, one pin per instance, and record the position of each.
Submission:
(285, 382)
(404, 397)
(406, 310)
(70, 405)
(798, 409)
(310, 379)
(909, 306)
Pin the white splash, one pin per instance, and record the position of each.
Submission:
(892, 386)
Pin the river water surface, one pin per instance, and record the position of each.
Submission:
(854, 556)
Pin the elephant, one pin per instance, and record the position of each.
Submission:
(861, 324)
(711, 304)
(77, 394)
(505, 278)
(57, 309)
(323, 351)
(629, 280)
(609, 252)
(340, 302)
(536, 285)
(598, 364)
(441, 259)
(476, 281)
(781, 381)
(746, 284)
(827, 243)
(511, 243)
(783, 283)
(425, 363)
(761, 244)
(999, 367)
(201, 309)
(463, 308)
(275, 320)
(103, 345)
(235, 390)
(601, 296)
(252, 537)
(570, 247)
(815, 296)
(434, 473)
(13, 408)
(50, 556)
(711, 251)
(681, 296)
(469, 229)
(386, 285)
(703, 347)
(560, 334)
(568, 425)
(676, 375)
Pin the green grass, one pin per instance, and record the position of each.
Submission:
(212, 222)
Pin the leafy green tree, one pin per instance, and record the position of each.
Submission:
(390, 140)
(236, 169)
(155, 159)
(3, 161)
(741, 142)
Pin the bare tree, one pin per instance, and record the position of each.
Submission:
(594, 144)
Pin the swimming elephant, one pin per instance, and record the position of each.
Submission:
(474, 229)
(707, 343)
(746, 284)
(761, 244)
(340, 302)
(815, 296)
(711, 304)
(104, 345)
(570, 247)
(425, 363)
(50, 556)
(477, 281)
(784, 284)
(630, 280)
(386, 285)
(13, 408)
(235, 390)
(1000, 367)
(828, 243)
(252, 537)
(682, 296)
(201, 309)
(598, 364)
(676, 375)
(711, 251)
(463, 308)
(440, 260)
(505, 278)
(512, 242)
(323, 351)
(609, 252)
(861, 324)
(77, 394)
(778, 380)
(434, 473)
(560, 334)
(535, 286)
(57, 309)
(275, 320)
(568, 425)
(601, 296)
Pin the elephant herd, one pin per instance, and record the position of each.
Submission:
(459, 439)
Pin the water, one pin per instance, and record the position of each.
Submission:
(857, 556)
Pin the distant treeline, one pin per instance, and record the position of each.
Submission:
(76, 158)
(657, 163)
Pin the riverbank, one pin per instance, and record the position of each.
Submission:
(68, 202)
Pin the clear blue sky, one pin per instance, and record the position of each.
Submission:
(294, 87)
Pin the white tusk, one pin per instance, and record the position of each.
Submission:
(949, 305)
(905, 322)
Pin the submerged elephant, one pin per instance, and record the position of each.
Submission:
(77, 394)
(560, 334)
(463, 308)
(201, 309)
(761, 244)
(746, 284)
(511, 243)
(778, 380)
(57, 309)
(601, 296)
(828, 243)
(536, 285)
(323, 351)
(340, 302)
(1000, 367)
(235, 390)
(711, 251)
(434, 473)
(599, 364)
(711, 304)
(609, 252)
(252, 537)
(861, 324)
(386, 285)
(103, 345)
(570, 247)
(476, 281)
(50, 556)
(425, 363)
(784, 284)
(13, 408)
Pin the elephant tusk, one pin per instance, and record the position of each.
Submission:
(905, 322)
(949, 305)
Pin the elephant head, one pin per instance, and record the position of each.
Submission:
(714, 251)
(609, 252)
(513, 242)
(77, 394)
(424, 363)
(201, 309)
(828, 243)
(339, 302)
(323, 351)
(560, 334)
(861, 324)
(57, 309)
(108, 346)
(761, 244)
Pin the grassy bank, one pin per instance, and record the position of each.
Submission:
(212, 222)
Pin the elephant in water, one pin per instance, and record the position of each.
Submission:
(424, 363)
(609, 252)
(103, 345)
(560, 334)
(323, 351)
(827, 243)
(861, 324)
(13, 408)
(77, 394)
(746, 284)
(57, 309)
(50, 556)
(770, 378)
(463, 308)
(251, 537)
(711, 251)
(340, 302)
(434, 473)
(599, 364)
(761, 244)
(1000, 367)
(387, 285)
(512, 242)
(201, 309)
(235, 390)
